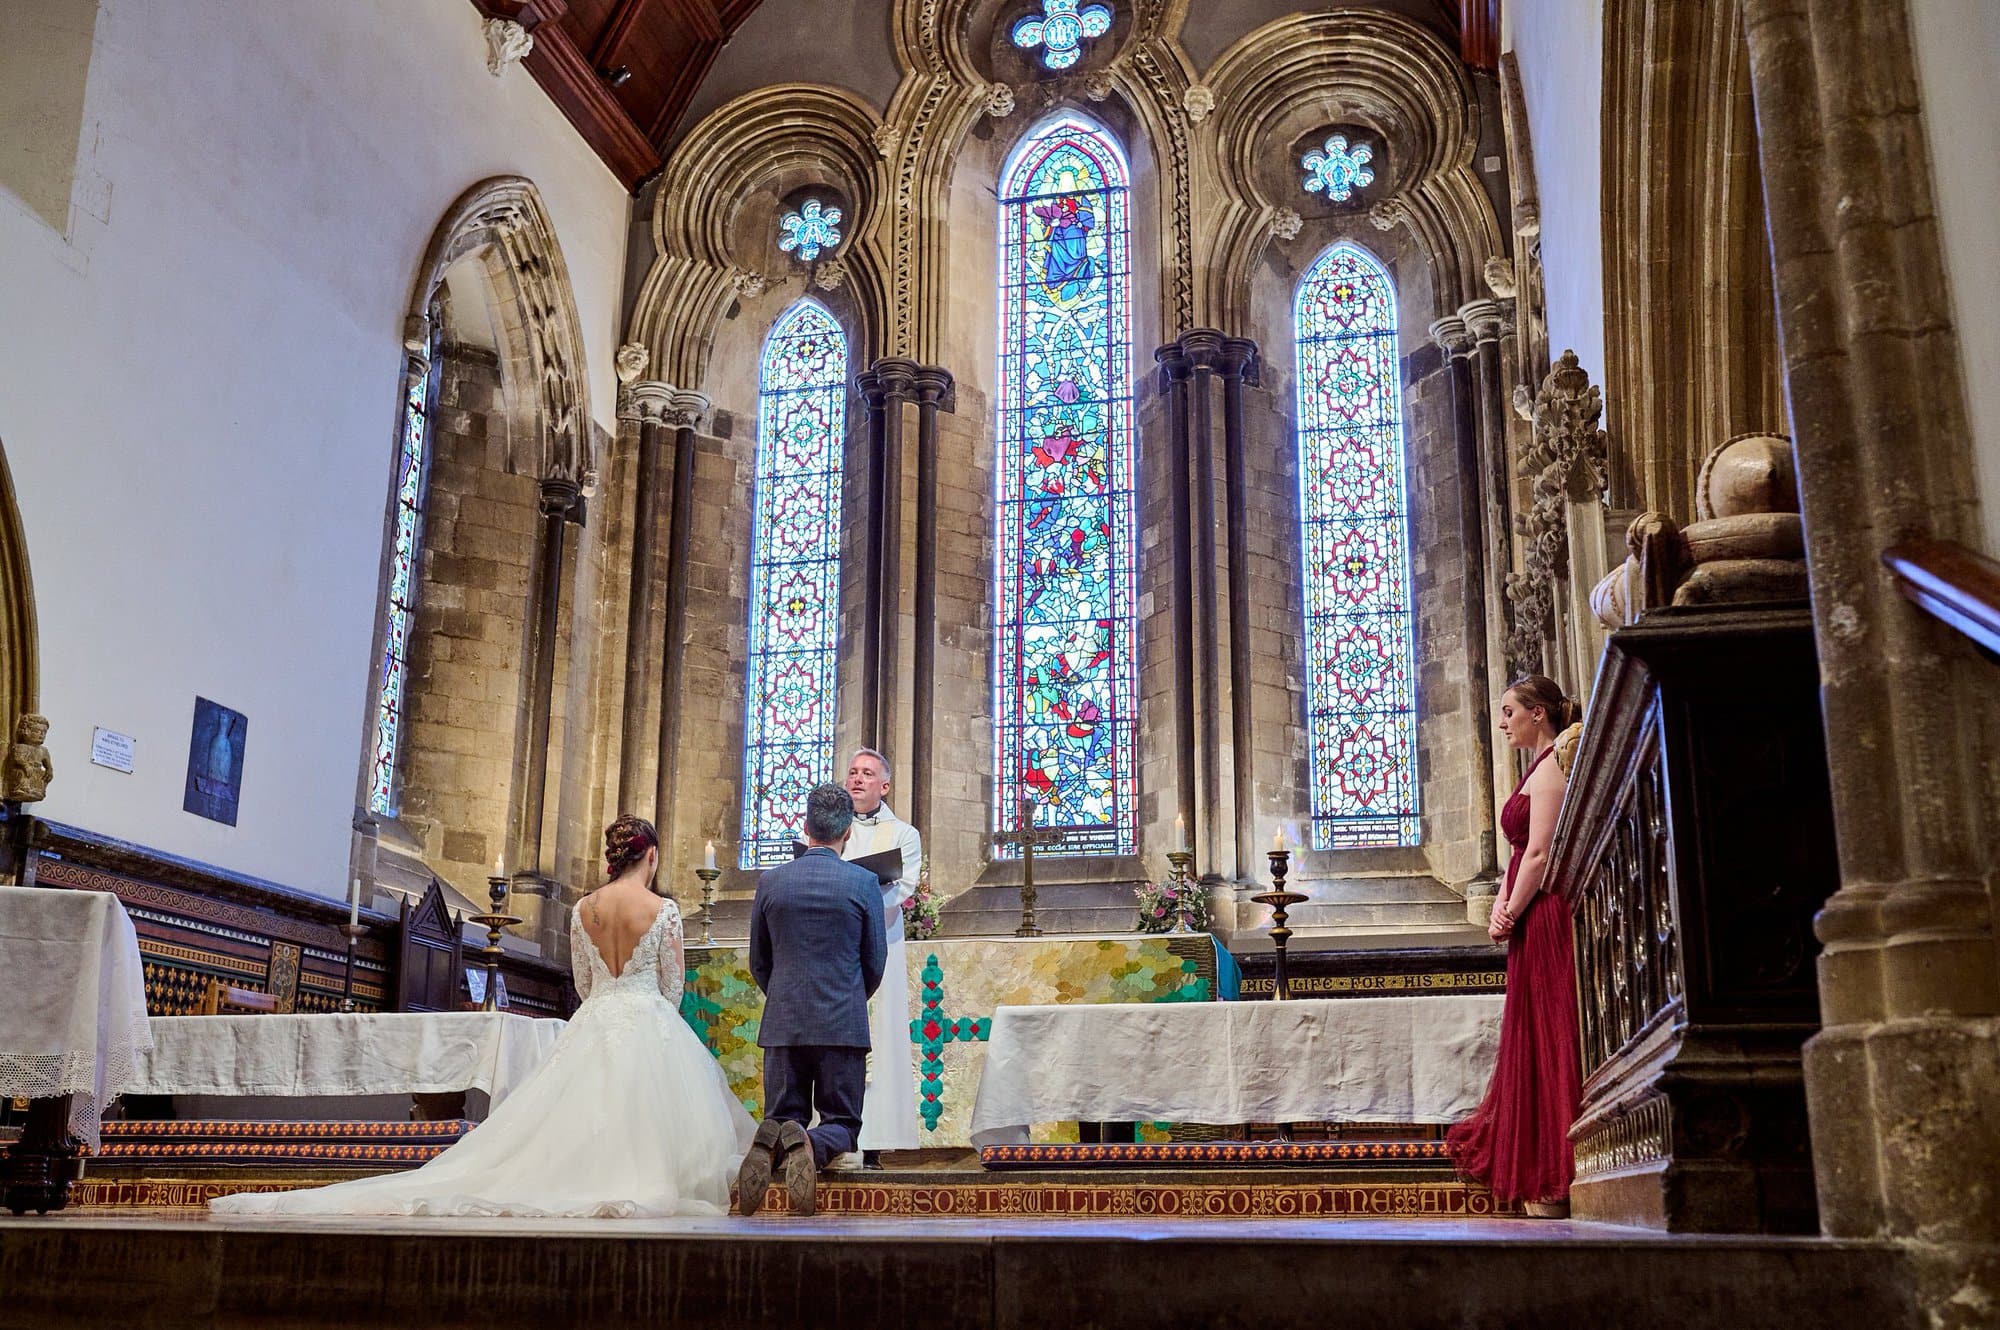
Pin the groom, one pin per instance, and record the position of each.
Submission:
(816, 949)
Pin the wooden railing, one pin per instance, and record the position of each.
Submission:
(1957, 585)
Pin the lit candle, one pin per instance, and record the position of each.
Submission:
(1180, 833)
(354, 904)
(708, 856)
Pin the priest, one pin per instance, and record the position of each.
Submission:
(889, 1107)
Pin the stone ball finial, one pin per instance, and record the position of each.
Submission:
(1751, 473)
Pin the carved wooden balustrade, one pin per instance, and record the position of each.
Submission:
(1694, 847)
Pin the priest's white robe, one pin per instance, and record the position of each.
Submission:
(889, 1106)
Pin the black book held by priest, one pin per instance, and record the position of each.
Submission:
(886, 866)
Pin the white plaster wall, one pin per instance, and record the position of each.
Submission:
(1958, 69)
(1560, 47)
(198, 385)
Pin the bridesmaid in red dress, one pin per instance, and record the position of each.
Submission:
(1517, 1143)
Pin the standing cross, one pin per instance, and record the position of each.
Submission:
(1028, 836)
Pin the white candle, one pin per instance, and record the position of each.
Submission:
(1180, 833)
(1278, 839)
(499, 865)
(708, 855)
(354, 904)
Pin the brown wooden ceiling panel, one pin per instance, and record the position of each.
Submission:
(664, 48)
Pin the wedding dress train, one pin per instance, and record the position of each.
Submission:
(631, 1115)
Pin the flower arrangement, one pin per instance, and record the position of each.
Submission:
(920, 911)
(1162, 904)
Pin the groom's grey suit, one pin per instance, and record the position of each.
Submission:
(816, 949)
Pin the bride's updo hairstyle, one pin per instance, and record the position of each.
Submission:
(1538, 691)
(626, 842)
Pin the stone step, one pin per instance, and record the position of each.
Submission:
(1289, 1269)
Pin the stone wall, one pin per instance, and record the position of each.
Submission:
(465, 687)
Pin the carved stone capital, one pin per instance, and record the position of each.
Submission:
(559, 495)
(936, 387)
(645, 401)
(507, 43)
(685, 409)
(1451, 335)
(890, 379)
(1484, 319)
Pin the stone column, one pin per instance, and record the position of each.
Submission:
(1472, 356)
(683, 411)
(899, 618)
(1237, 364)
(559, 499)
(1211, 617)
(1903, 1080)
(646, 406)
(1174, 370)
(935, 390)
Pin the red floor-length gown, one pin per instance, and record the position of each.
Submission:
(1517, 1142)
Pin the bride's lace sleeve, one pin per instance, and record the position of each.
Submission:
(672, 962)
(579, 953)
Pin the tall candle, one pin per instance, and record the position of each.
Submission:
(354, 904)
(499, 865)
(1278, 839)
(708, 856)
(1180, 833)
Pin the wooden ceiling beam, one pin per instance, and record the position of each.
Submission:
(604, 51)
(701, 16)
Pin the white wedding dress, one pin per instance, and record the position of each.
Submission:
(631, 1115)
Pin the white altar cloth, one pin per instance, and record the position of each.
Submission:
(75, 1019)
(363, 1053)
(1387, 1059)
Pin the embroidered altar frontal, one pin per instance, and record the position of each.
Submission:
(955, 984)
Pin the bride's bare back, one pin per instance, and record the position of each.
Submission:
(616, 917)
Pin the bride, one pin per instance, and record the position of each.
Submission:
(629, 1116)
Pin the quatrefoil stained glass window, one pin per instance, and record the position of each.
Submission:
(1060, 30)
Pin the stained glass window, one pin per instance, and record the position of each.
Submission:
(1338, 170)
(809, 230)
(1060, 30)
(1066, 649)
(794, 578)
(1360, 648)
(393, 675)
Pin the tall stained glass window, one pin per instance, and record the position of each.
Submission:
(1360, 643)
(794, 578)
(392, 676)
(1066, 650)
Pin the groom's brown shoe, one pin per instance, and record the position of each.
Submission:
(801, 1178)
(753, 1180)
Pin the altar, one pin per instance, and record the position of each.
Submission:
(955, 986)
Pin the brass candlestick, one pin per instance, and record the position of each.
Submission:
(495, 919)
(354, 932)
(1180, 859)
(1280, 900)
(707, 876)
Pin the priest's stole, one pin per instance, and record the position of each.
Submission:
(955, 984)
